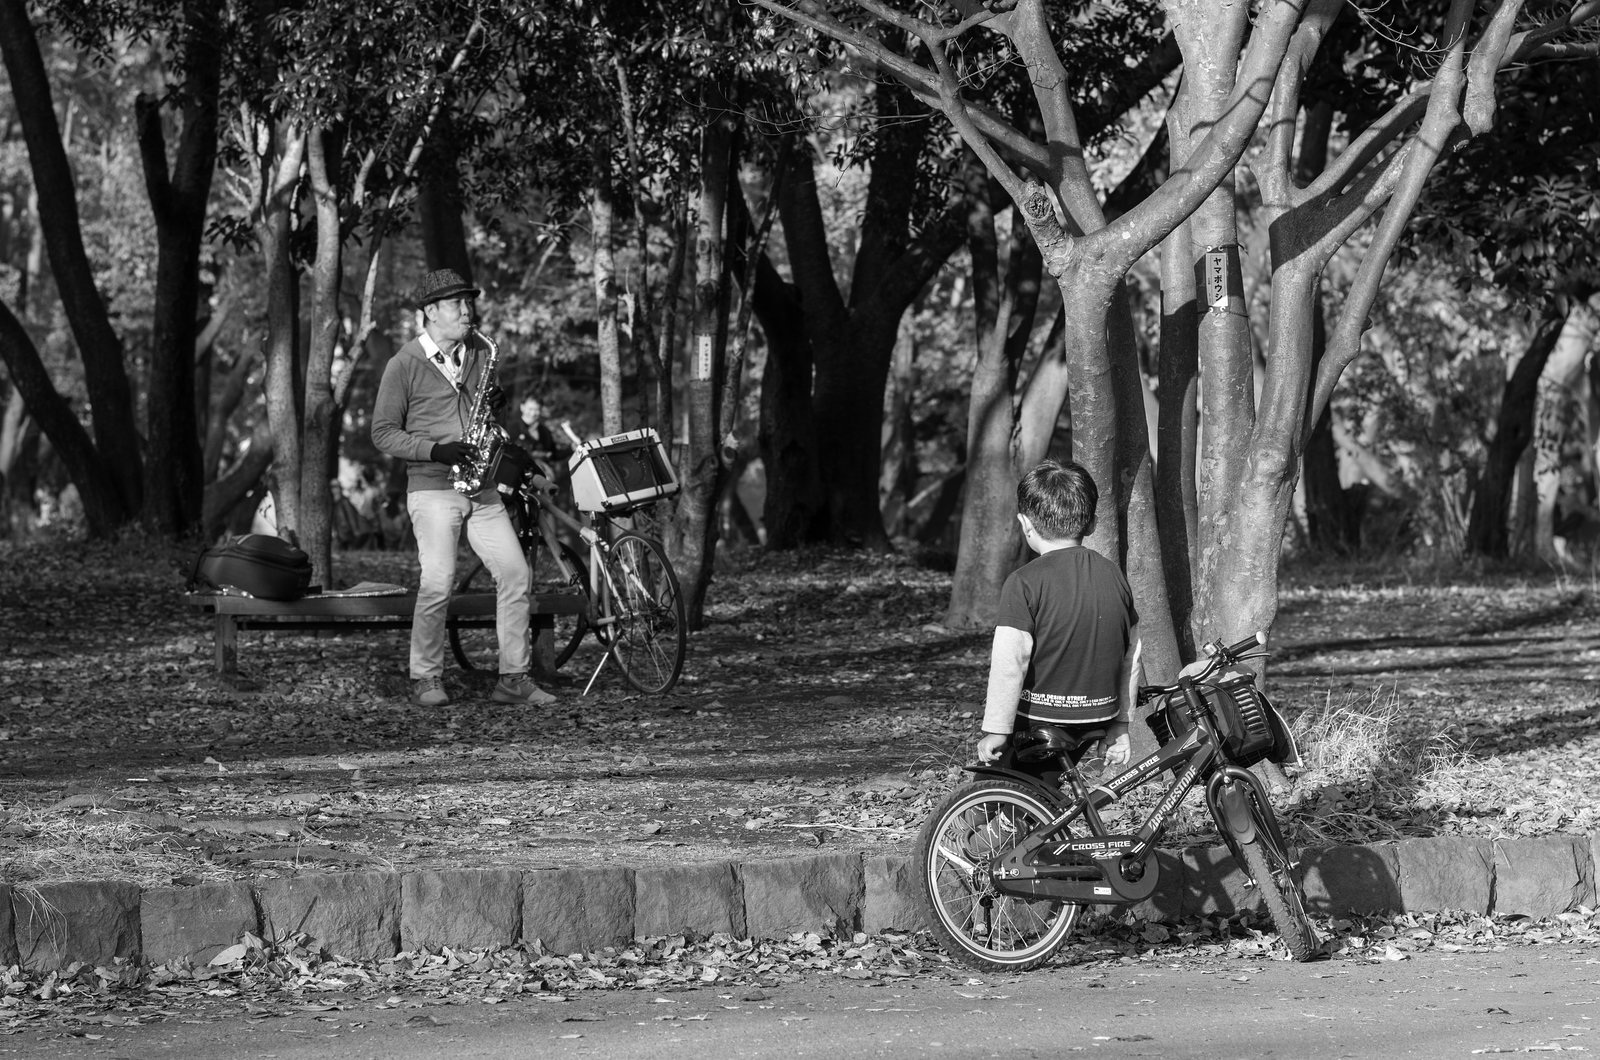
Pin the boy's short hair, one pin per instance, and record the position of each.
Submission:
(1059, 499)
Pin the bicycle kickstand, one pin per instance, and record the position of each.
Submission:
(600, 666)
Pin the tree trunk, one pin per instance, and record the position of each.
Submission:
(991, 541)
(439, 209)
(702, 479)
(102, 499)
(114, 493)
(1178, 432)
(1487, 529)
(1558, 397)
(222, 410)
(897, 480)
(279, 172)
(174, 477)
(793, 512)
(322, 419)
(602, 217)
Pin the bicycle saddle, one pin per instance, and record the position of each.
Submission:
(1040, 742)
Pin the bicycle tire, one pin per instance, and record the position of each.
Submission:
(966, 915)
(570, 629)
(1276, 877)
(648, 634)
(472, 646)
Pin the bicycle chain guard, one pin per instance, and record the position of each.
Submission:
(1090, 870)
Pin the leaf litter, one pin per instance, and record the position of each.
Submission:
(296, 977)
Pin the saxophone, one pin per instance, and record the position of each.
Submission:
(483, 433)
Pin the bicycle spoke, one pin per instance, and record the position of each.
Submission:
(648, 636)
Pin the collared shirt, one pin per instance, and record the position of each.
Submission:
(445, 362)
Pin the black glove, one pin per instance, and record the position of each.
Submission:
(453, 453)
(495, 398)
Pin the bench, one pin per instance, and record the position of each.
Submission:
(231, 613)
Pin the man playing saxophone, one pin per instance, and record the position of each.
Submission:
(429, 402)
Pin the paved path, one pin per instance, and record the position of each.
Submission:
(1522, 999)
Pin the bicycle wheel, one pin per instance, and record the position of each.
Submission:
(647, 634)
(479, 649)
(569, 629)
(474, 649)
(1278, 878)
(970, 919)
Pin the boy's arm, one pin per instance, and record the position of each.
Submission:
(1008, 669)
(1119, 745)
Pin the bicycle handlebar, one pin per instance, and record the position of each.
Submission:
(1220, 655)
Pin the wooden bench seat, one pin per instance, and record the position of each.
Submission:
(230, 614)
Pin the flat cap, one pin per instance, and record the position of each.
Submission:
(441, 284)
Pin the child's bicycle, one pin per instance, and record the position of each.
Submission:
(634, 607)
(1010, 862)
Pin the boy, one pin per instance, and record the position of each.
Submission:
(1066, 640)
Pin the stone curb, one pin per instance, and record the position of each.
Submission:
(373, 915)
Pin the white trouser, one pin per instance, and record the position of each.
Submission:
(436, 518)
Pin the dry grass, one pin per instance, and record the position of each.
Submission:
(1364, 762)
(69, 846)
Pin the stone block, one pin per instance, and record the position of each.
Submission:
(354, 914)
(820, 893)
(1541, 877)
(701, 899)
(892, 898)
(1352, 879)
(1445, 872)
(56, 924)
(8, 929)
(464, 909)
(578, 910)
(195, 923)
(1214, 885)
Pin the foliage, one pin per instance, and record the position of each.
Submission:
(1519, 209)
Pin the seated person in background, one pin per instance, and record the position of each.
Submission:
(540, 441)
(1066, 640)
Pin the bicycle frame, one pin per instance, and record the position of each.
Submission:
(1113, 869)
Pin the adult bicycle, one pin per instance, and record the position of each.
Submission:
(1009, 862)
(634, 608)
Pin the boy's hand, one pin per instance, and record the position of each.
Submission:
(1118, 746)
(991, 746)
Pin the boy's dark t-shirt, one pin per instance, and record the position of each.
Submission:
(1079, 609)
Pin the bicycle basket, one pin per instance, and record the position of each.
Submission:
(1244, 718)
(621, 471)
(1167, 720)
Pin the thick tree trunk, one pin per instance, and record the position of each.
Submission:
(1178, 431)
(174, 476)
(439, 209)
(991, 542)
(793, 512)
(322, 414)
(702, 485)
(116, 451)
(1487, 528)
(850, 340)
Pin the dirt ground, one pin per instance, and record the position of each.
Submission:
(822, 709)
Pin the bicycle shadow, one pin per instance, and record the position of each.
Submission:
(1206, 881)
